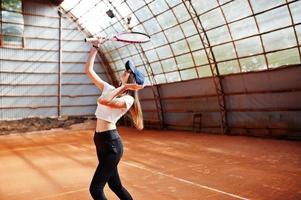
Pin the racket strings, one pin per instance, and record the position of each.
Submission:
(134, 37)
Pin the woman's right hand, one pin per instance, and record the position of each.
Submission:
(99, 41)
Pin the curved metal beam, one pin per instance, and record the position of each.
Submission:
(108, 68)
(217, 80)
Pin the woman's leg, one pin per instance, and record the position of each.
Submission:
(102, 175)
(109, 153)
(116, 186)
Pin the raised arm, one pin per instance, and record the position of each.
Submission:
(109, 99)
(89, 67)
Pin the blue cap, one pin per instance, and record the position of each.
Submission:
(139, 77)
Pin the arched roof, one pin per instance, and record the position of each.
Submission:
(190, 35)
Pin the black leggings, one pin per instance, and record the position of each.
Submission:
(109, 149)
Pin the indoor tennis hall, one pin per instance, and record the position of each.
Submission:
(150, 99)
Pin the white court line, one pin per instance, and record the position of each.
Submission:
(185, 181)
(61, 194)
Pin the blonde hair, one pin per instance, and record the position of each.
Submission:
(135, 110)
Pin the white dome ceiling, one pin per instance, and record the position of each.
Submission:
(239, 35)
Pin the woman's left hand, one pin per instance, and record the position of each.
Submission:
(133, 86)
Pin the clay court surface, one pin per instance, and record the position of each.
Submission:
(157, 165)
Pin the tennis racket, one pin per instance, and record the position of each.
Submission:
(128, 37)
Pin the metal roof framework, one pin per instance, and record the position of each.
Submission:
(193, 39)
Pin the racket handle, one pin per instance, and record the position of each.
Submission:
(93, 39)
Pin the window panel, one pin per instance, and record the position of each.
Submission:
(224, 52)
(112, 64)
(224, 1)
(195, 43)
(114, 3)
(228, 67)
(109, 57)
(188, 74)
(152, 26)
(173, 2)
(160, 78)
(203, 6)
(134, 20)
(158, 6)
(164, 52)
(134, 4)
(118, 27)
(174, 34)
(236, 10)
(180, 47)
(169, 65)
(200, 57)
(123, 9)
(147, 46)
(118, 44)
(262, 5)
(189, 28)
(212, 19)
(147, 81)
(115, 55)
(181, 13)
(143, 14)
(167, 19)
(151, 55)
(139, 28)
(13, 17)
(82, 7)
(69, 4)
(243, 28)
(12, 28)
(101, 7)
(219, 35)
(111, 31)
(296, 11)
(142, 69)
(281, 58)
(124, 52)
(156, 67)
(132, 49)
(137, 60)
(158, 39)
(204, 71)
(273, 19)
(184, 61)
(119, 65)
(173, 77)
(279, 39)
(298, 30)
(15, 5)
(13, 40)
(254, 63)
(92, 25)
(248, 46)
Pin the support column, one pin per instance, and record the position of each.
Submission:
(59, 93)
(216, 78)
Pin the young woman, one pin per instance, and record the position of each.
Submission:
(111, 105)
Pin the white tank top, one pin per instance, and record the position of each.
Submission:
(112, 114)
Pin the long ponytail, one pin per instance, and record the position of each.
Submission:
(136, 112)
